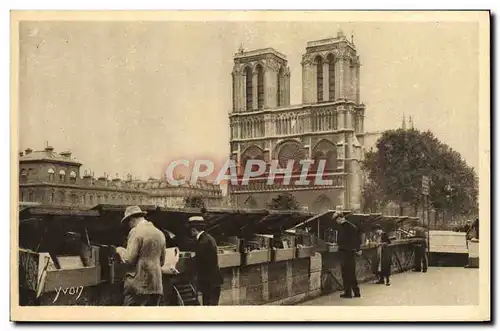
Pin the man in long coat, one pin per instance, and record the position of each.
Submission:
(145, 252)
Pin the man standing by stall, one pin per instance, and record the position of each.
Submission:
(207, 263)
(146, 253)
(349, 241)
(421, 249)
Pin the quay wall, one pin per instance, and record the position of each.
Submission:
(272, 283)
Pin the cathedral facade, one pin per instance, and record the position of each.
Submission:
(328, 125)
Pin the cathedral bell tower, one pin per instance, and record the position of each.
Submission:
(330, 71)
(261, 80)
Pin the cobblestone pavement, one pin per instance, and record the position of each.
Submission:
(439, 286)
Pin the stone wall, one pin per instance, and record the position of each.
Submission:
(273, 283)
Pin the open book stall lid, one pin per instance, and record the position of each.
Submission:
(365, 222)
(228, 222)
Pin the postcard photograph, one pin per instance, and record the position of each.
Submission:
(209, 165)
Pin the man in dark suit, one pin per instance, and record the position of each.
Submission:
(421, 248)
(206, 261)
(349, 241)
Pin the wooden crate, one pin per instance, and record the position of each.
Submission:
(258, 256)
(283, 254)
(230, 259)
(72, 278)
(306, 251)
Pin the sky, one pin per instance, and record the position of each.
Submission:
(128, 97)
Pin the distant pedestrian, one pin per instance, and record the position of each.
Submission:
(145, 251)
(207, 264)
(420, 247)
(384, 260)
(349, 242)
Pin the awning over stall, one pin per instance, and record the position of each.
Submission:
(103, 221)
(365, 222)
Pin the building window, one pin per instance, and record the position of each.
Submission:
(72, 177)
(249, 88)
(84, 199)
(319, 78)
(260, 87)
(31, 196)
(23, 176)
(52, 197)
(74, 199)
(279, 91)
(62, 175)
(331, 77)
(51, 174)
(62, 198)
(21, 196)
(91, 199)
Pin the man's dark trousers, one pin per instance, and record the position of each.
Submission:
(420, 258)
(210, 295)
(348, 267)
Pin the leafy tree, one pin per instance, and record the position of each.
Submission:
(373, 198)
(402, 157)
(194, 202)
(284, 201)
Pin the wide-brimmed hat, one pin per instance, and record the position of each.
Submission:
(196, 221)
(337, 214)
(132, 211)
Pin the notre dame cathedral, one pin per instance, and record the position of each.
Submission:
(327, 125)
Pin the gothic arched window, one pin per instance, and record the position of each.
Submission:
(249, 88)
(260, 87)
(331, 77)
(279, 88)
(325, 150)
(319, 78)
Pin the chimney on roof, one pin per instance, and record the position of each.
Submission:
(87, 178)
(66, 154)
(101, 181)
(28, 151)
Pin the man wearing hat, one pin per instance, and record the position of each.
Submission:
(146, 253)
(207, 264)
(349, 241)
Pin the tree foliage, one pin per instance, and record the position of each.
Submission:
(402, 157)
(194, 202)
(284, 201)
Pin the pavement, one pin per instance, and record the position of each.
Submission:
(440, 286)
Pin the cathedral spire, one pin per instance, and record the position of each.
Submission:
(403, 125)
(411, 123)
